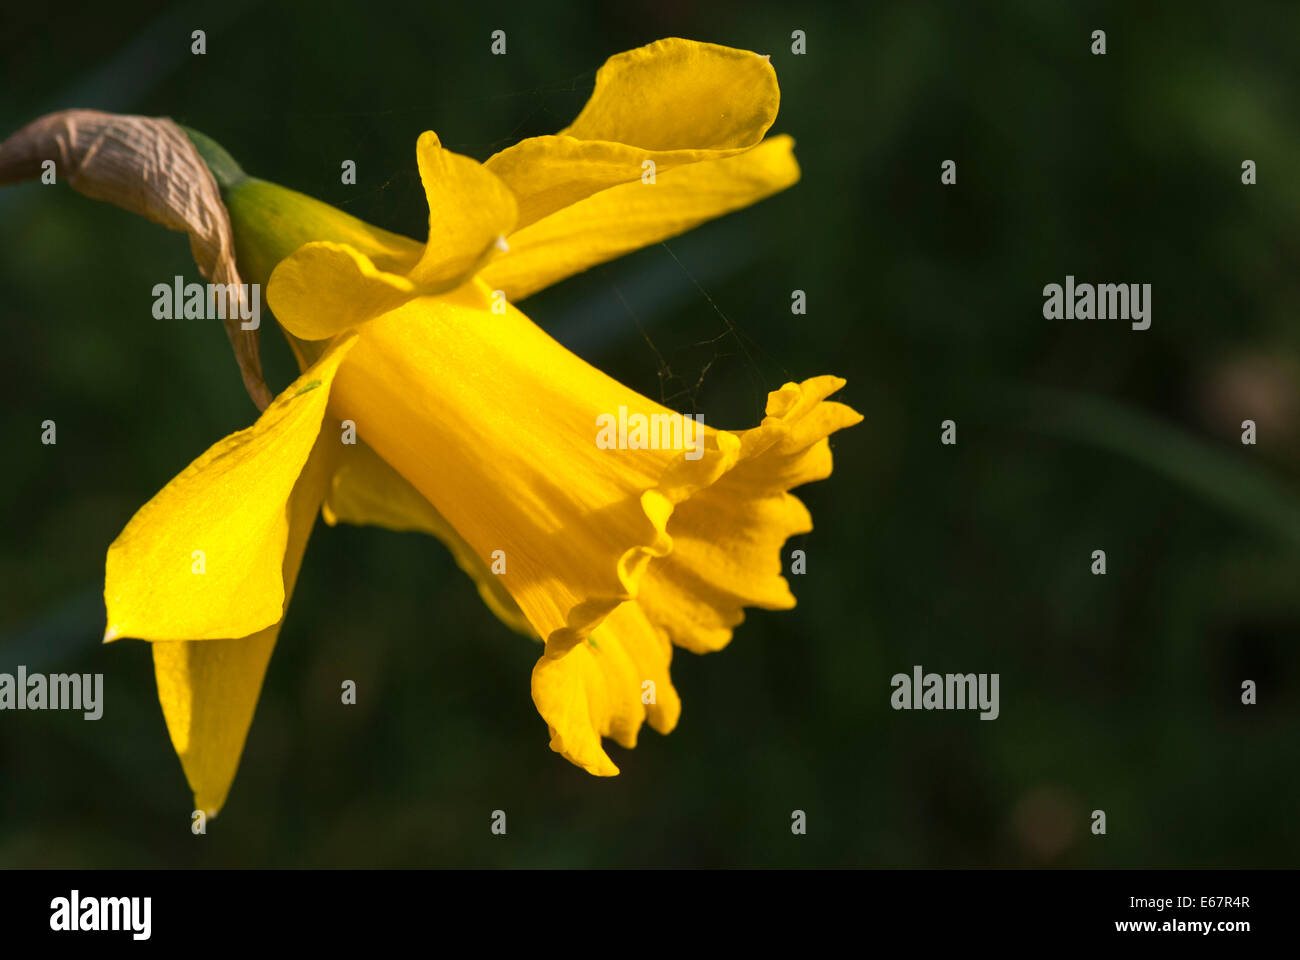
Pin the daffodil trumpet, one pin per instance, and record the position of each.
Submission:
(428, 401)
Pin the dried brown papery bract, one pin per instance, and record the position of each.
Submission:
(146, 165)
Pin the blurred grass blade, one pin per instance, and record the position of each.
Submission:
(1229, 481)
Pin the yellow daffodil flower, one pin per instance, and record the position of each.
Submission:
(480, 429)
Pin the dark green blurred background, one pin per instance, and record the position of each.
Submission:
(1118, 693)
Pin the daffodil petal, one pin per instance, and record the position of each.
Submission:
(203, 558)
(323, 288)
(681, 94)
(470, 211)
(606, 686)
(727, 537)
(549, 173)
(366, 491)
(209, 689)
(629, 216)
